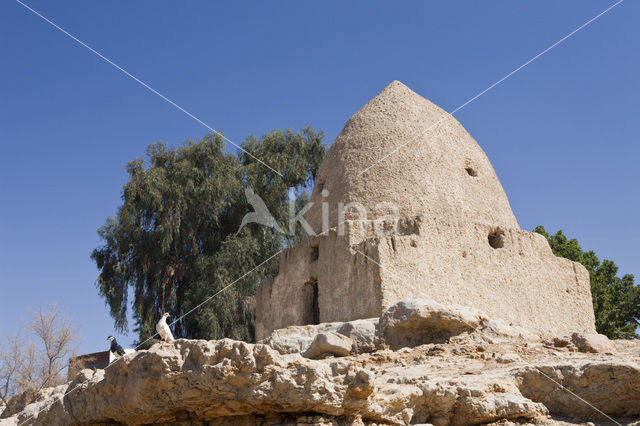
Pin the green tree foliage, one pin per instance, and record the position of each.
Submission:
(616, 301)
(173, 242)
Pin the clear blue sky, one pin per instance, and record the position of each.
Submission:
(561, 134)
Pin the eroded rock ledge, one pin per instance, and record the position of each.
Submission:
(447, 373)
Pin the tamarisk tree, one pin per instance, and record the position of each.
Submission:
(174, 242)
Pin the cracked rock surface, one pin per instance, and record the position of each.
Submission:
(490, 374)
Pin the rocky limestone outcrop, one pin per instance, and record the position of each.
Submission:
(462, 368)
(330, 343)
(200, 380)
(584, 342)
(298, 338)
(415, 322)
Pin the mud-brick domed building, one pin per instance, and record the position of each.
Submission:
(456, 239)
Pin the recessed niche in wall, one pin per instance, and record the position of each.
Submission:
(496, 238)
(311, 313)
(471, 171)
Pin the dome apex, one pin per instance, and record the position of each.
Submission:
(402, 149)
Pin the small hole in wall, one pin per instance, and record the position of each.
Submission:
(464, 254)
(471, 171)
(496, 238)
(413, 243)
(315, 253)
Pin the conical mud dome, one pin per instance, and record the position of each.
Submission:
(457, 241)
(400, 148)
